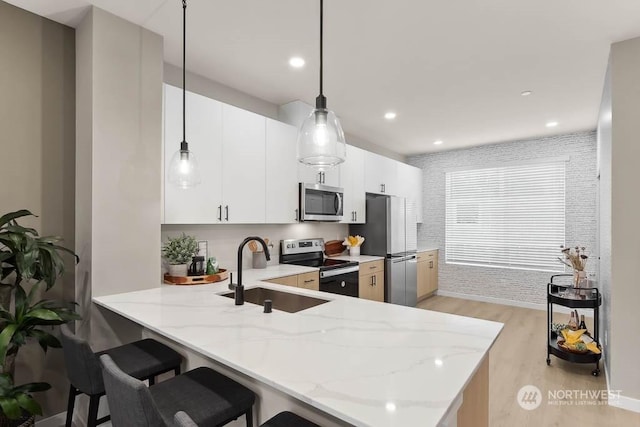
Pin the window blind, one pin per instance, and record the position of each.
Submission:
(508, 217)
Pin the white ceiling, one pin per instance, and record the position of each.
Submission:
(452, 70)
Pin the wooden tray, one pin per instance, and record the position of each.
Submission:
(196, 280)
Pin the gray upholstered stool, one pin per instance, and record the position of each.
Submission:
(283, 419)
(144, 359)
(209, 398)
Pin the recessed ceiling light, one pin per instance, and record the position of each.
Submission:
(526, 93)
(438, 362)
(390, 115)
(296, 62)
(390, 406)
(438, 142)
(551, 124)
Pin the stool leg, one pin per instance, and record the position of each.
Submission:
(176, 371)
(70, 405)
(94, 402)
(249, 416)
(152, 380)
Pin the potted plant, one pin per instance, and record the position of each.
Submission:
(179, 251)
(26, 259)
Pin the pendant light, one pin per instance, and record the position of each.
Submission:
(321, 141)
(183, 169)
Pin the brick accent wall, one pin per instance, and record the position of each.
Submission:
(581, 210)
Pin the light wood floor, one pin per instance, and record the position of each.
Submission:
(519, 357)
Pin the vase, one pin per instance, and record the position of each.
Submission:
(259, 260)
(578, 278)
(354, 251)
(27, 420)
(178, 270)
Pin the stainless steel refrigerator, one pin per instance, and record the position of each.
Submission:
(391, 231)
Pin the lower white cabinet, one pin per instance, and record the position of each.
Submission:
(352, 180)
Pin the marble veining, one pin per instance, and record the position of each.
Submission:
(367, 363)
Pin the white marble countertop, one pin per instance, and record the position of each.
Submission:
(359, 258)
(250, 275)
(427, 248)
(367, 363)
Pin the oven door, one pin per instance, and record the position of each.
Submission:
(343, 281)
(320, 202)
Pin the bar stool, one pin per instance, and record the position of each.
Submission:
(210, 398)
(283, 419)
(144, 359)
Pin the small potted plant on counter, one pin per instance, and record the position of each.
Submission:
(26, 260)
(179, 251)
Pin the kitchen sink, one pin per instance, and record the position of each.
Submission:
(285, 301)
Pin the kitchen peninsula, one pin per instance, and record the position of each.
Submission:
(345, 362)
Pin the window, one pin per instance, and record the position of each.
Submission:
(508, 217)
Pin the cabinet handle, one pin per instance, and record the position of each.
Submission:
(324, 178)
(355, 214)
(226, 213)
(384, 188)
(296, 218)
(430, 264)
(310, 281)
(371, 284)
(372, 267)
(219, 212)
(375, 280)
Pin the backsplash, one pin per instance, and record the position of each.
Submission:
(223, 240)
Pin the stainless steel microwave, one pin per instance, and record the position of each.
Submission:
(320, 202)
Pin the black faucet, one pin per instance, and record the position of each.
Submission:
(238, 288)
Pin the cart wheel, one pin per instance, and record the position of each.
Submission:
(548, 362)
(595, 372)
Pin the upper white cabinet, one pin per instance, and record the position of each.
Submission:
(410, 186)
(197, 205)
(243, 166)
(312, 175)
(250, 172)
(281, 173)
(352, 180)
(380, 174)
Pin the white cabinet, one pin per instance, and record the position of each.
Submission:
(380, 174)
(197, 205)
(410, 186)
(352, 180)
(243, 166)
(281, 173)
(312, 175)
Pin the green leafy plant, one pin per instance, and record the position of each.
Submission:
(180, 250)
(27, 258)
(14, 401)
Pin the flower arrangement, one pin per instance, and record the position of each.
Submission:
(575, 258)
(353, 241)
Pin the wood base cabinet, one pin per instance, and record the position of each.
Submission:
(371, 281)
(305, 280)
(427, 273)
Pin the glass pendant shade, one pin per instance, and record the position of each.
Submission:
(183, 170)
(321, 141)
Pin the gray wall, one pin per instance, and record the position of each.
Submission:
(37, 114)
(519, 286)
(620, 203)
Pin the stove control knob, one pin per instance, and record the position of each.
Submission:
(343, 284)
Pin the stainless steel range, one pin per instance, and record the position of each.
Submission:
(336, 276)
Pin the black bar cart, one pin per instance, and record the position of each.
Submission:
(574, 298)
